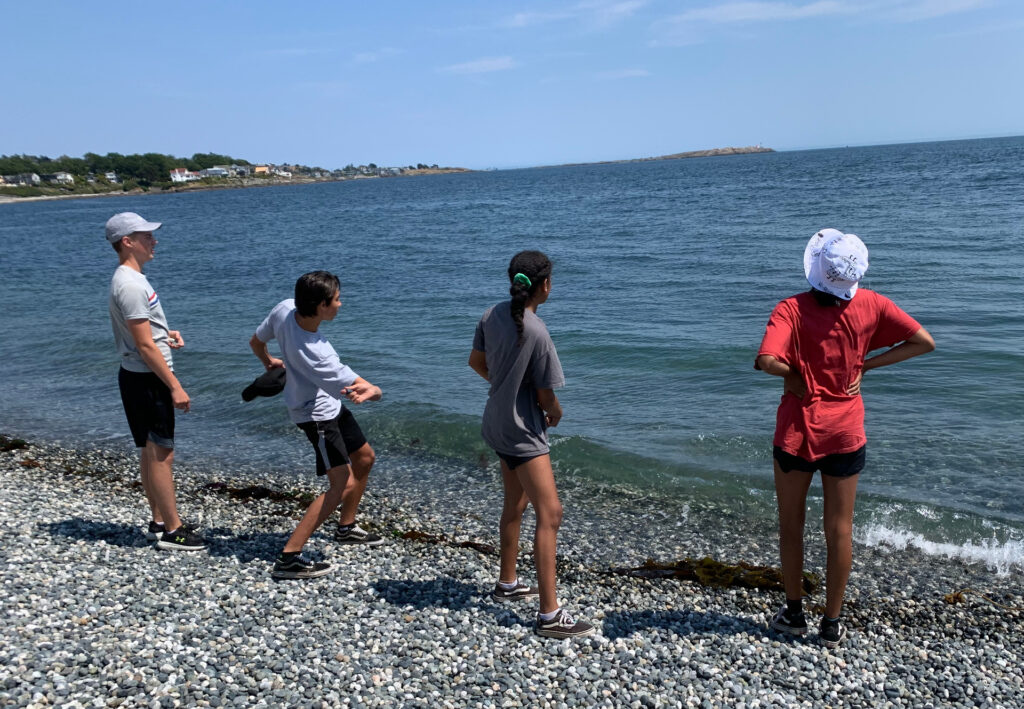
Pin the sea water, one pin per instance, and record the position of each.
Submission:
(665, 274)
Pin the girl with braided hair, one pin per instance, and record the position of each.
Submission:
(513, 351)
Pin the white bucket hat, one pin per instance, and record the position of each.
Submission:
(834, 262)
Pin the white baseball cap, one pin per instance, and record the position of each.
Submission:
(835, 262)
(125, 223)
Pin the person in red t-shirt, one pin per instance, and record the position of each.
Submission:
(817, 341)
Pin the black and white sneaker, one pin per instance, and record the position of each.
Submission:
(357, 535)
(154, 532)
(831, 633)
(184, 538)
(783, 622)
(563, 625)
(519, 591)
(298, 566)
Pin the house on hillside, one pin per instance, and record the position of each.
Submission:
(63, 178)
(215, 172)
(183, 174)
(261, 169)
(29, 179)
(111, 177)
(240, 170)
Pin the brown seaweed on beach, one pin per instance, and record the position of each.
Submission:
(418, 536)
(710, 572)
(259, 492)
(12, 444)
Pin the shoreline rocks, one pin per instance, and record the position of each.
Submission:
(95, 616)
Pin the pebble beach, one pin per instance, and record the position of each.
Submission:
(94, 616)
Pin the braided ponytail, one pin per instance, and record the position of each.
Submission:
(527, 271)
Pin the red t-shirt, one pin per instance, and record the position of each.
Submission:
(827, 345)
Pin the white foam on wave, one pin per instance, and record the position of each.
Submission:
(1001, 557)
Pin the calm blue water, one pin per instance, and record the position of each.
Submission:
(665, 273)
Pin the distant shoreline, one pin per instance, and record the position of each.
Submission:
(228, 184)
(713, 152)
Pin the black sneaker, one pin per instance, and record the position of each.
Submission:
(791, 624)
(520, 590)
(563, 626)
(184, 538)
(831, 634)
(298, 566)
(357, 535)
(154, 532)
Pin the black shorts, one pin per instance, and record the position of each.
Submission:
(514, 461)
(334, 440)
(837, 465)
(148, 408)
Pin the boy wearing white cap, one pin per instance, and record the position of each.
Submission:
(817, 341)
(149, 390)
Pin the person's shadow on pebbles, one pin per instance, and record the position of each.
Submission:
(444, 592)
(619, 624)
(90, 530)
(246, 547)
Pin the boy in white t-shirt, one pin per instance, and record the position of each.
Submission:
(314, 387)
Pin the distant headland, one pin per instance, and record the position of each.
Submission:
(713, 152)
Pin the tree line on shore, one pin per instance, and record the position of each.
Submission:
(146, 169)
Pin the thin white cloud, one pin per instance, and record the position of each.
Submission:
(623, 74)
(480, 66)
(929, 9)
(759, 12)
(599, 13)
(692, 25)
(375, 56)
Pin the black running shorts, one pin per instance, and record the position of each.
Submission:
(837, 465)
(148, 408)
(514, 461)
(334, 440)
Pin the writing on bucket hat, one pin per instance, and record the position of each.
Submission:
(125, 223)
(835, 262)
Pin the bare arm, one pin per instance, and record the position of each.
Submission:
(142, 334)
(478, 362)
(549, 404)
(921, 342)
(793, 382)
(361, 390)
(259, 348)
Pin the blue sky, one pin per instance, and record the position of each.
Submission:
(482, 85)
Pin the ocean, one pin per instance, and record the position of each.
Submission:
(665, 274)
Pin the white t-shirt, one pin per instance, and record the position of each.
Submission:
(132, 298)
(312, 389)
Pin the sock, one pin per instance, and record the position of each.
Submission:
(288, 555)
(159, 524)
(174, 531)
(794, 608)
(549, 616)
(508, 586)
(830, 621)
(346, 527)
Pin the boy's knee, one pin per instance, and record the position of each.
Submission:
(550, 515)
(363, 458)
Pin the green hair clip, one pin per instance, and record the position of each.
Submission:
(522, 279)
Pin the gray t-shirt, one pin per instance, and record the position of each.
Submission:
(132, 298)
(513, 422)
(312, 389)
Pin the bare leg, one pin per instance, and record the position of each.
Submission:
(511, 520)
(362, 460)
(157, 465)
(320, 509)
(538, 481)
(840, 494)
(791, 493)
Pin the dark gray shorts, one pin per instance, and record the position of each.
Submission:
(148, 408)
(838, 465)
(334, 440)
